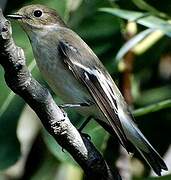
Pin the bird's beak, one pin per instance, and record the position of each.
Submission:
(15, 16)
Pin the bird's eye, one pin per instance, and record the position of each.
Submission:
(38, 13)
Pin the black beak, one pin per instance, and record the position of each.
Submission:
(15, 16)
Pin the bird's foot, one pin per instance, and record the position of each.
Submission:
(87, 136)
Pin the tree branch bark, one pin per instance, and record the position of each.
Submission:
(55, 121)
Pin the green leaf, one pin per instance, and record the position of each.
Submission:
(10, 108)
(141, 18)
(154, 95)
(167, 177)
(125, 14)
(153, 108)
(10, 146)
(98, 135)
(4, 105)
(132, 42)
(56, 149)
(141, 4)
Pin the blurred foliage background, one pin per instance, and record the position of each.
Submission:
(133, 40)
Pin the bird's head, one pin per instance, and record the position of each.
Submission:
(37, 17)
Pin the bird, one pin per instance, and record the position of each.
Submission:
(77, 76)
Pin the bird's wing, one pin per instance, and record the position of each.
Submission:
(98, 82)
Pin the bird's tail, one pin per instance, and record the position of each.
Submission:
(153, 159)
(146, 150)
(138, 140)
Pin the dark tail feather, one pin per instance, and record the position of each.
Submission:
(154, 160)
(145, 148)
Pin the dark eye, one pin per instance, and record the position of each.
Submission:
(38, 13)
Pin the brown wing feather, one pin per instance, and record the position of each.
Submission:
(99, 88)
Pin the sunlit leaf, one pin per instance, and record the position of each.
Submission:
(141, 18)
(69, 172)
(125, 14)
(132, 42)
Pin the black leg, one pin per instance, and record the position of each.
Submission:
(85, 123)
(83, 126)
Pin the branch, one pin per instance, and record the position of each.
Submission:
(55, 121)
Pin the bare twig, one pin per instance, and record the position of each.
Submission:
(56, 122)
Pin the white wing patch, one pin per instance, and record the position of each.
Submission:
(103, 82)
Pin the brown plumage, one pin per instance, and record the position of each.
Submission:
(76, 75)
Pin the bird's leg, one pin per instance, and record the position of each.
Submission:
(85, 122)
(74, 105)
(83, 125)
(62, 106)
